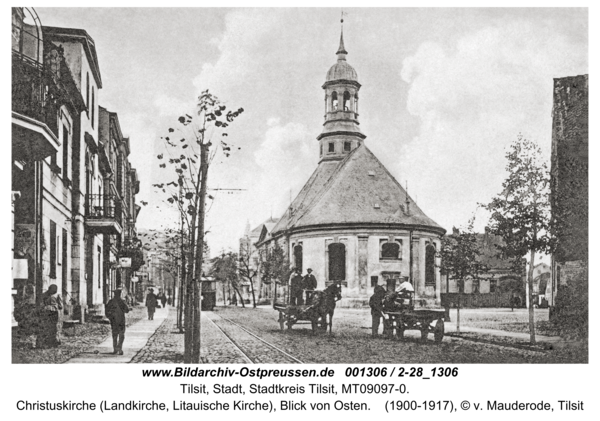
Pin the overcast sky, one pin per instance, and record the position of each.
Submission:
(444, 92)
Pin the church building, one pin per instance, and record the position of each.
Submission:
(352, 221)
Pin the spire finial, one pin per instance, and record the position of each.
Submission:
(341, 52)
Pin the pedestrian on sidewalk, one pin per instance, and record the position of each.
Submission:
(151, 303)
(49, 315)
(115, 311)
(163, 300)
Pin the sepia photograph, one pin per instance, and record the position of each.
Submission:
(299, 185)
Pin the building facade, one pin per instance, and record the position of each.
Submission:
(352, 222)
(62, 212)
(569, 195)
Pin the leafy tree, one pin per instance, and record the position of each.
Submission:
(461, 260)
(520, 214)
(190, 148)
(274, 265)
(224, 268)
(247, 267)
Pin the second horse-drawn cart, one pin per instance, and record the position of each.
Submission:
(400, 314)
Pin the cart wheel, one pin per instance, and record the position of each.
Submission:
(424, 333)
(400, 333)
(281, 321)
(438, 331)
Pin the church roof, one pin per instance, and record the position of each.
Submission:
(355, 190)
(269, 224)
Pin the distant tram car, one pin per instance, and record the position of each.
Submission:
(209, 293)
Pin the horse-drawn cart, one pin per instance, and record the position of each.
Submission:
(289, 315)
(400, 315)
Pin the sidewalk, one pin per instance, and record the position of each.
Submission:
(450, 327)
(136, 337)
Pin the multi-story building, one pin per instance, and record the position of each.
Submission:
(73, 195)
(121, 184)
(46, 104)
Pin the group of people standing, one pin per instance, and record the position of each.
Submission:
(302, 284)
(48, 316)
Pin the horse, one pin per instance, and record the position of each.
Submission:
(323, 303)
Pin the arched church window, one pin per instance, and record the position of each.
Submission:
(337, 262)
(390, 250)
(298, 257)
(346, 101)
(356, 103)
(334, 101)
(430, 265)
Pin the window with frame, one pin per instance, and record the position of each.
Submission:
(99, 267)
(374, 280)
(493, 285)
(347, 146)
(65, 151)
(430, 253)
(475, 286)
(93, 107)
(87, 90)
(53, 250)
(331, 147)
(390, 250)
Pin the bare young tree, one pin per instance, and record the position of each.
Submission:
(520, 214)
(191, 147)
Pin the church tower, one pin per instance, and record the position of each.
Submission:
(341, 133)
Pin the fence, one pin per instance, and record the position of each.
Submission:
(493, 299)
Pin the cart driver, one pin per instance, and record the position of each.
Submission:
(405, 288)
(404, 291)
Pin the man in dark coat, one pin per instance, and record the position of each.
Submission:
(296, 288)
(163, 300)
(376, 304)
(309, 284)
(151, 302)
(115, 311)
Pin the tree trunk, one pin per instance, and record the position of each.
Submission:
(200, 249)
(189, 313)
(530, 298)
(239, 295)
(252, 289)
(458, 312)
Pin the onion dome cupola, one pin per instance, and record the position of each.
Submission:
(341, 133)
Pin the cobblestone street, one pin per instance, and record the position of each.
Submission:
(234, 335)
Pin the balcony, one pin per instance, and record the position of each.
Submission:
(103, 214)
(34, 118)
(38, 91)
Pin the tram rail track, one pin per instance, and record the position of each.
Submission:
(251, 351)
